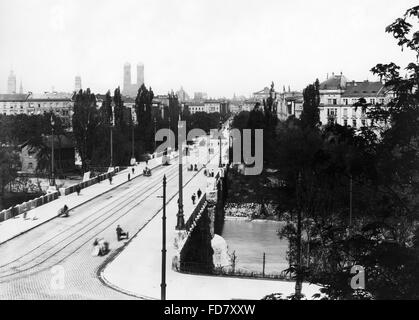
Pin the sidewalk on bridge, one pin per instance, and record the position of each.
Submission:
(137, 269)
(16, 226)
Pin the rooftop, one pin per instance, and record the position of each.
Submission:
(335, 82)
(51, 96)
(364, 89)
(264, 91)
(66, 142)
(14, 97)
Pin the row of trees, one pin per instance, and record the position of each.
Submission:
(92, 126)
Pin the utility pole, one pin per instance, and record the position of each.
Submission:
(163, 250)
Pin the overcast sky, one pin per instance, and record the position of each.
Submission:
(217, 46)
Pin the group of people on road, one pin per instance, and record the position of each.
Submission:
(101, 246)
(199, 193)
(193, 167)
(209, 173)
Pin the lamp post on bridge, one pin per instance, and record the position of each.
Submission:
(220, 164)
(180, 225)
(133, 160)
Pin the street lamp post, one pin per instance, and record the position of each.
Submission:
(170, 130)
(163, 250)
(132, 142)
(155, 127)
(112, 125)
(220, 164)
(52, 152)
(180, 225)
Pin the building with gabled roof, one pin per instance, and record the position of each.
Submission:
(338, 97)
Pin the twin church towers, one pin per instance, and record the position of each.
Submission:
(131, 89)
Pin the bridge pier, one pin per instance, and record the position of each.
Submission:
(193, 245)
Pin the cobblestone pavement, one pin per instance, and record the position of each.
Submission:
(54, 261)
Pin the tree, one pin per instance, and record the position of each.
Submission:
(85, 122)
(383, 162)
(143, 108)
(9, 163)
(310, 115)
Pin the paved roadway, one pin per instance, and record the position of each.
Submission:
(28, 263)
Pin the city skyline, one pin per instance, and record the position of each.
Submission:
(220, 48)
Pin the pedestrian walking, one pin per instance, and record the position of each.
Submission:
(129, 177)
(133, 171)
(78, 189)
(193, 198)
(199, 193)
(196, 167)
(110, 179)
(146, 162)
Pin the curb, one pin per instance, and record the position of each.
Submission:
(80, 204)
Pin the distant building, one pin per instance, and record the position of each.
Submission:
(195, 107)
(208, 106)
(12, 104)
(60, 103)
(262, 94)
(200, 96)
(212, 106)
(182, 95)
(290, 103)
(77, 84)
(11, 83)
(249, 104)
(338, 96)
(131, 89)
(140, 74)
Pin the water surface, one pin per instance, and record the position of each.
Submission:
(250, 239)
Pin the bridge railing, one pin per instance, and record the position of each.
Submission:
(26, 206)
(201, 202)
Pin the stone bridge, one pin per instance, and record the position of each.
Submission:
(193, 245)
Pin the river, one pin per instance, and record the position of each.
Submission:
(250, 239)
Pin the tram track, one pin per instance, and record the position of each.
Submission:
(124, 206)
